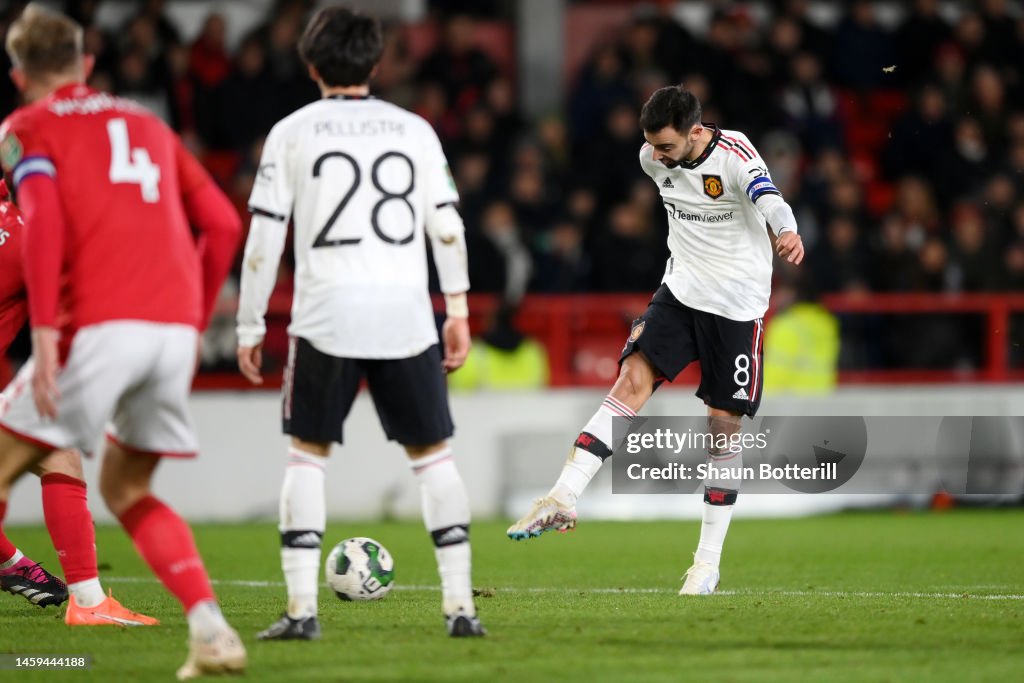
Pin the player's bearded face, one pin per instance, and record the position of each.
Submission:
(671, 146)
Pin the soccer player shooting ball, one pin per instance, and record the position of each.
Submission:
(720, 199)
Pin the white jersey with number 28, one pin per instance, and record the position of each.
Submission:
(359, 177)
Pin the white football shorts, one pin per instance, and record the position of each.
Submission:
(134, 377)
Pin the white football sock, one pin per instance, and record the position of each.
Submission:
(205, 619)
(594, 444)
(446, 516)
(13, 560)
(88, 593)
(302, 520)
(719, 501)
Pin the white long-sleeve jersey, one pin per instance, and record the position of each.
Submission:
(366, 183)
(718, 206)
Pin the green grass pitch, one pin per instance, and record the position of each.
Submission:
(855, 597)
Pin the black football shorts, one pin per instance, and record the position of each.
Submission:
(673, 335)
(410, 395)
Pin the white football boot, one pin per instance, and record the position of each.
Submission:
(222, 652)
(700, 579)
(547, 514)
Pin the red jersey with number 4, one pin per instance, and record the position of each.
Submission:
(120, 174)
(13, 308)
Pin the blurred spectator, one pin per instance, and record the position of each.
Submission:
(627, 258)
(154, 12)
(801, 343)
(921, 140)
(246, 97)
(918, 38)
(601, 84)
(640, 48)
(503, 359)
(813, 38)
(472, 176)
(970, 260)
(861, 48)
(562, 264)
(209, 61)
(840, 261)
(136, 81)
(292, 84)
(934, 262)
(810, 104)
(784, 42)
(501, 262)
(458, 66)
(894, 263)
(1001, 39)
(951, 73)
(988, 105)
(612, 164)
(1013, 268)
(915, 206)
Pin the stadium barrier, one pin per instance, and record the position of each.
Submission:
(583, 334)
(510, 447)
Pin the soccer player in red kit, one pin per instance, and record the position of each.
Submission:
(65, 507)
(108, 193)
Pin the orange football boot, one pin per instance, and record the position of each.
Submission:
(108, 613)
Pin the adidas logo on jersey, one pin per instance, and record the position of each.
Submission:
(667, 183)
(741, 394)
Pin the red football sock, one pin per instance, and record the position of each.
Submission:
(69, 522)
(7, 549)
(165, 542)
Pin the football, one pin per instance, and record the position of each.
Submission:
(360, 569)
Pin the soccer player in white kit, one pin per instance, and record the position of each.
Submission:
(719, 197)
(366, 183)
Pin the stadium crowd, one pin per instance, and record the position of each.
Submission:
(900, 147)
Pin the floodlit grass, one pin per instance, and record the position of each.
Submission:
(853, 597)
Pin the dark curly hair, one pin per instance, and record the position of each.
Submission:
(342, 45)
(670, 106)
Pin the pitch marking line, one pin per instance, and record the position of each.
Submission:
(629, 591)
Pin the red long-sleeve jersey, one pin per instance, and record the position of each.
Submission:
(107, 192)
(13, 305)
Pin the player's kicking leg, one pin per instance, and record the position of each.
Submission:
(302, 521)
(557, 510)
(446, 516)
(165, 542)
(719, 499)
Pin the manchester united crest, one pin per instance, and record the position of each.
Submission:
(636, 332)
(713, 186)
